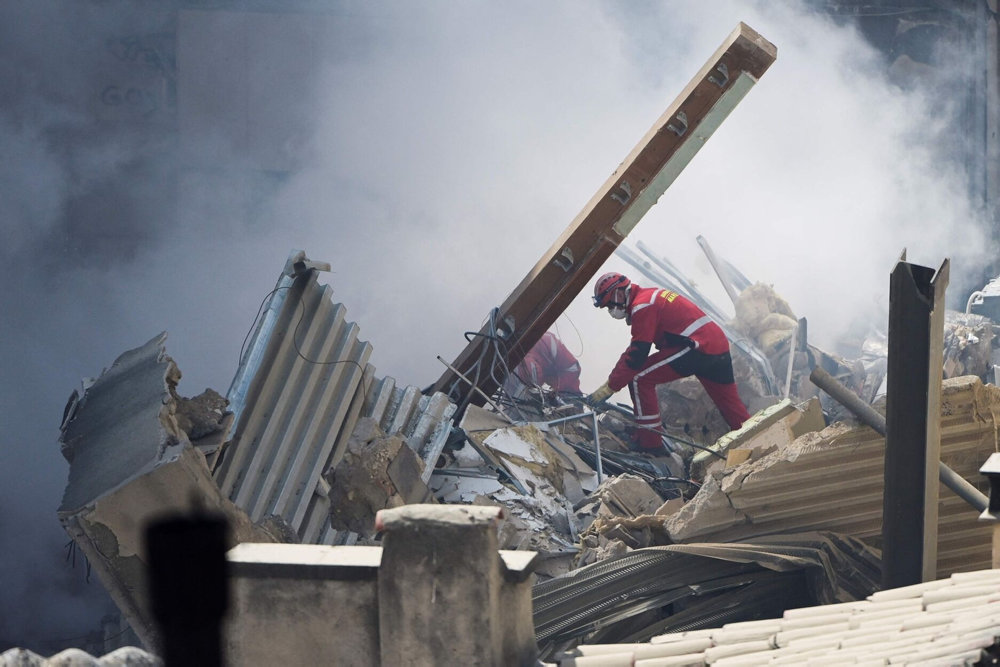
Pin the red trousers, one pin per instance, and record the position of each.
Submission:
(714, 371)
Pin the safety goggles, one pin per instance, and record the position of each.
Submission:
(599, 297)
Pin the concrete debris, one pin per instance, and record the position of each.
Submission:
(204, 418)
(832, 480)
(376, 472)
(764, 432)
(137, 449)
(279, 529)
(540, 518)
(621, 515)
(627, 495)
(457, 488)
(132, 461)
(535, 475)
(968, 345)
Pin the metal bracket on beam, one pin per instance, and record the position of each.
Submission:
(623, 194)
(564, 260)
(508, 322)
(723, 77)
(679, 124)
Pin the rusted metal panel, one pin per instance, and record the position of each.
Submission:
(576, 256)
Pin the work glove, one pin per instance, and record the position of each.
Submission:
(601, 394)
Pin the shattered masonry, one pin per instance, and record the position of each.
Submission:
(786, 472)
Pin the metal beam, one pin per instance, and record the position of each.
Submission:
(720, 270)
(913, 423)
(576, 256)
(868, 415)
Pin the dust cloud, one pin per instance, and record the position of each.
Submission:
(162, 162)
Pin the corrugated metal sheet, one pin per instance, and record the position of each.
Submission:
(832, 481)
(303, 383)
(699, 585)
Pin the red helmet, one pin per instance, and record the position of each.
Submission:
(606, 288)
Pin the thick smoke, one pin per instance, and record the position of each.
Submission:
(431, 152)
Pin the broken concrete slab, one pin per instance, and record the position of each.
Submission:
(463, 488)
(623, 513)
(708, 512)
(766, 430)
(628, 495)
(376, 472)
(526, 455)
(205, 420)
(131, 462)
(478, 419)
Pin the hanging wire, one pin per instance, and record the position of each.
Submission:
(295, 335)
(334, 362)
(254, 323)
(71, 559)
(579, 336)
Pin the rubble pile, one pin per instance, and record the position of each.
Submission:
(377, 472)
(968, 345)
(542, 479)
(571, 490)
(624, 513)
(632, 509)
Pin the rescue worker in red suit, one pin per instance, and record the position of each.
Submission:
(688, 342)
(547, 362)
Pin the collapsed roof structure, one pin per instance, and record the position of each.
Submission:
(309, 445)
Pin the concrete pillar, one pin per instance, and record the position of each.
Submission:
(446, 596)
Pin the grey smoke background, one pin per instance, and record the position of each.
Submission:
(431, 152)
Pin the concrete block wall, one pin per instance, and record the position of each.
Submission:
(438, 592)
(299, 604)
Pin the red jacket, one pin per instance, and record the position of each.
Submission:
(669, 321)
(550, 362)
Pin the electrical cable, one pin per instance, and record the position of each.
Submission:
(253, 324)
(493, 343)
(579, 336)
(295, 335)
(334, 362)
